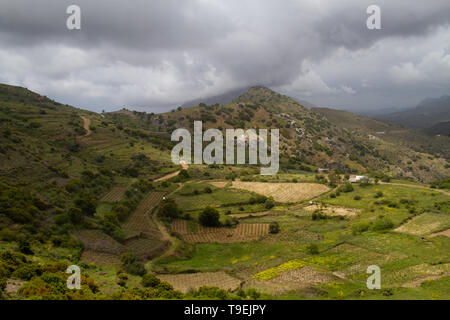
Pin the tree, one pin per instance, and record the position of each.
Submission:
(132, 265)
(87, 204)
(150, 280)
(312, 248)
(269, 204)
(25, 247)
(169, 209)
(75, 215)
(274, 227)
(210, 217)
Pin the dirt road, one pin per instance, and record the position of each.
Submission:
(183, 165)
(86, 125)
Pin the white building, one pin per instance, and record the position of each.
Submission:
(358, 179)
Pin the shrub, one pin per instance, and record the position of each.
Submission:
(360, 227)
(132, 265)
(75, 215)
(357, 198)
(379, 194)
(25, 247)
(346, 187)
(382, 223)
(269, 204)
(312, 248)
(184, 174)
(150, 280)
(210, 217)
(274, 227)
(87, 204)
(207, 189)
(122, 279)
(169, 209)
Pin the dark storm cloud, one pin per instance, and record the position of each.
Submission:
(161, 53)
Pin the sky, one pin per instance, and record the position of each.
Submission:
(155, 55)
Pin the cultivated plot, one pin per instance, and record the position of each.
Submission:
(425, 224)
(244, 232)
(283, 192)
(185, 282)
(114, 195)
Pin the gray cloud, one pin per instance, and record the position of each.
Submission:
(157, 54)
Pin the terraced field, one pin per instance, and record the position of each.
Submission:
(190, 201)
(144, 238)
(139, 221)
(425, 224)
(283, 192)
(100, 258)
(244, 232)
(185, 282)
(114, 195)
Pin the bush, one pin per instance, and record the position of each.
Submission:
(169, 209)
(346, 187)
(25, 247)
(357, 198)
(382, 223)
(210, 217)
(207, 190)
(87, 204)
(184, 174)
(274, 227)
(360, 227)
(269, 204)
(379, 194)
(258, 199)
(132, 265)
(150, 280)
(75, 215)
(312, 248)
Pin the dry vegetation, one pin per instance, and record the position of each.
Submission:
(333, 210)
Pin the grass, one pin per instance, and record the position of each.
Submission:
(188, 201)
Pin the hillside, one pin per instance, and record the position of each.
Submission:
(312, 139)
(427, 113)
(99, 191)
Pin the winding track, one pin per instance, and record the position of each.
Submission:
(86, 125)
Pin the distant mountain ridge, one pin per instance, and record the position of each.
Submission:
(233, 95)
(426, 114)
(224, 98)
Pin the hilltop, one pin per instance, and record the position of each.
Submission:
(317, 138)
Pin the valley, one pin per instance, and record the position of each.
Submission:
(100, 191)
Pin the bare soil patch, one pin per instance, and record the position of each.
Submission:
(333, 210)
(219, 184)
(445, 233)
